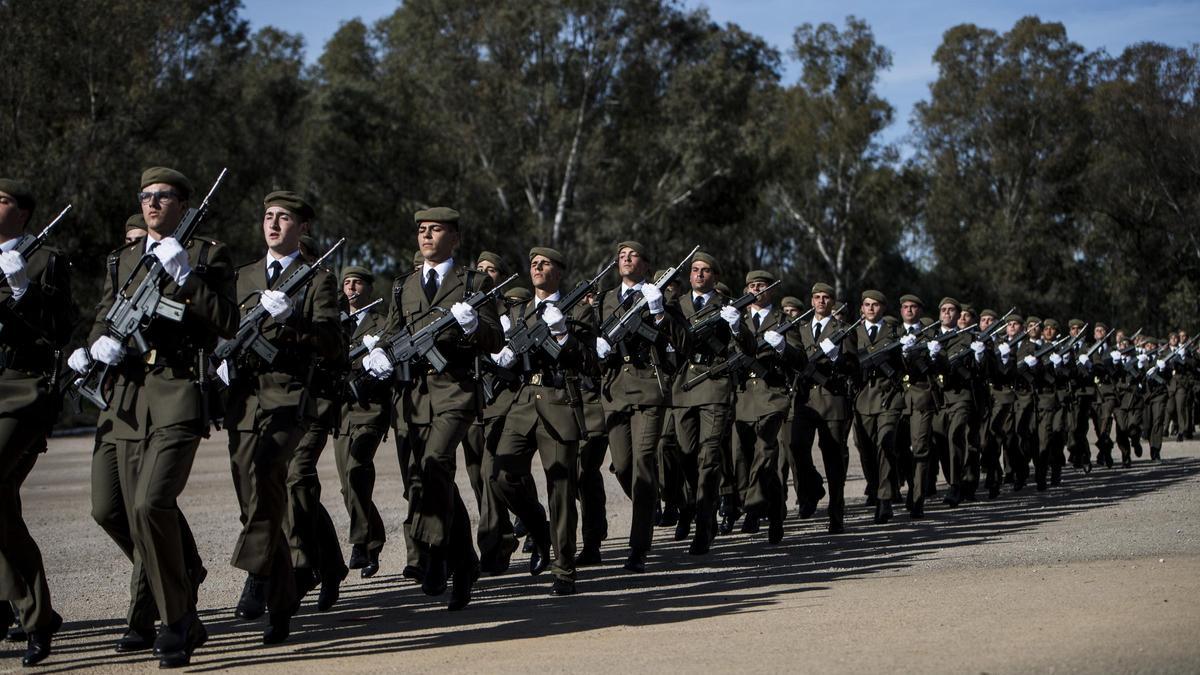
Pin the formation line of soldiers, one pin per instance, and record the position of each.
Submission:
(706, 402)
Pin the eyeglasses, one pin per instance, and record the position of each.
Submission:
(164, 197)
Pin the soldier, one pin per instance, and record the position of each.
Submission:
(792, 308)
(494, 533)
(915, 448)
(135, 228)
(878, 404)
(160, 407)
(1104, 404)
(1081, 394)
(1127, 415)
(546, 416)
(268, 412)
(1178, 387)
(593, 517)
(1157, 377)
(363, 425)
(1001, 446)
(636, 389)
(701, 413)
(437, 408)
(39, 314)
(957, 360)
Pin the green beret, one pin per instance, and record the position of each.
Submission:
(636, 246)
(792, 301)
(292, 202)
(821, 287)
(703, 257)
(1032, 319)
(909, 297)
(1101, 324)
(488, 256)
(1050, 323)
(949, 301)
(437, 214)
(135, 222)
(356, 272)
(989, 312)
(1148, 340)
(161, 174)
(1075, 323)
(759, 275)
(551, 254)
(1014, 317)
(19, 191)
(418, 259)
(967, 307)
(877, 296)
(724, 289)
(519, 293)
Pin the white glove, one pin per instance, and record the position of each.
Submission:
(79, 360)
(505, 323)
(466, 317)
(1004, 349)
(1084, 361)
(1178, 350)
(277, 304)
(377, 364)
(555, 320)
(13, 266)
(831, 350)
(1162, 364)
(1030, 361)
(732, 317)
(1143, 360)
(908, 342)
(174, 259)
(1056, 360)
(654, 298)
(1116, 356)
(934, 347)
(978, 347)
(369, 341)
(775, 339)
(107, 350)
(504, 358)
(223, 372)
(603, 349)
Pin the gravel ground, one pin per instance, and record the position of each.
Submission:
(1101, 575)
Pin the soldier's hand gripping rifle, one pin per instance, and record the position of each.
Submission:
(525, 339)
(27, 247)
(347, 317)
(810, 371)
(249, 338)
(1100, 343)
(1023, 367)
(1075, 339)
(739, 360)
(618, 328)
(405, 347)
(705, 330)
(1153, 373)
(879, 357)
(131, 314)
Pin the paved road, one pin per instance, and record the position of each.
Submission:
(1102, 575)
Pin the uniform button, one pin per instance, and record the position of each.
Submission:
(539, 396)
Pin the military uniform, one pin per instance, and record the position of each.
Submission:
(915, 448)
(877, 409)
(956, 366)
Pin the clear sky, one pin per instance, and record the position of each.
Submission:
(911, 29)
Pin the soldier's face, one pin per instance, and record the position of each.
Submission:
(134, 234)
(1173, 340)
(702, 277)
(949, 315)
(163, 210)
(1121, 336)
(437, 241)
(631, 265)
(1183, 336)
(282, 230)
(822, 303)
(910, 312)
(355, 288)
(1098, 333)
(1012, 329)
(965, 319)
(1075, 330)
(791, 311)
(871, 309)
(488, 269)
(12, 218)
(986, 322)
(760, 287)
(1049, 332)
(1034, 329)
(544, 274)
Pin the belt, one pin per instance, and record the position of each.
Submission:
(547, 379)
(26, 360)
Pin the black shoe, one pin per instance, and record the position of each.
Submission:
(413, 572)
(1055, 476)
(658, 513)
(701, 543)
(6, 616)
(135, 640)
(330, 591)
(670, 516)
(253, 602)
(1040, 480)
(306, 581)
(588, 555)
(372, 567)
(177, 642)
(1155, 454)
(1108, 461)
(775, 530)
(539, 560)
(1126, 463)
(836, 524)
(684, 527)
(953, 496)
(464, 581)
(502, 560)
(16, 633)
(636, 562)
(751, 524)
(435, 581)
(908, 500)
(1137, 450)
(37, 646)
(1087, 468)
(871, 501)
(358, 557)
(917, 511)
(808, 506)
(562, 586)
(519, 529)
(1019, 483)
(1179, 437)
(883, 512)
(1008, 478)
(279, 630)
(969, 490)
(529, 546)
(993, 490)
(728, 520)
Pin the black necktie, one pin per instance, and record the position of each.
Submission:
(431, 285)
(912, 330)
(757, 322)
(699, 303)
(273, 272)
(816, 331)
(871, 333)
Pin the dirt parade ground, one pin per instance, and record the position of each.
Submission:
(1100, 575)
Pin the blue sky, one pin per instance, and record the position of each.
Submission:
(911, 29)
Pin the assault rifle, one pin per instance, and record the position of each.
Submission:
(739, 360)
(618, 328)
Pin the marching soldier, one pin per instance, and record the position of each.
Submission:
(437, 408)
(363, 425)
(593, 516)
(915, 448)
(269, 410)
(1104, 405)
(1156, 378)
(1051, 377)
(1081, 392)
(792, 308)
(878, 404)
(955, 362)
(1001, 445)
(160, 408)
(39, 315)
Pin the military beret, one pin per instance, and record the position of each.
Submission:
(989, 312)
(292, 202)
(161, 174)
(551, 254)
(437, 214)
(488, 256)
(1101, 324)
(792, 301)
(19, 191)
(950, 301)
(968, 308)
(909, 297)
(1149, 340)
(821, 287)
(135, 222)
(1075, 323)
(1032, 319)
(1014, 317)
(759, 275)
(703, 257)
(1050, 323)
(635, 245)
(877, 296)
(724, 289)
(356, 272)
(518, 293)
